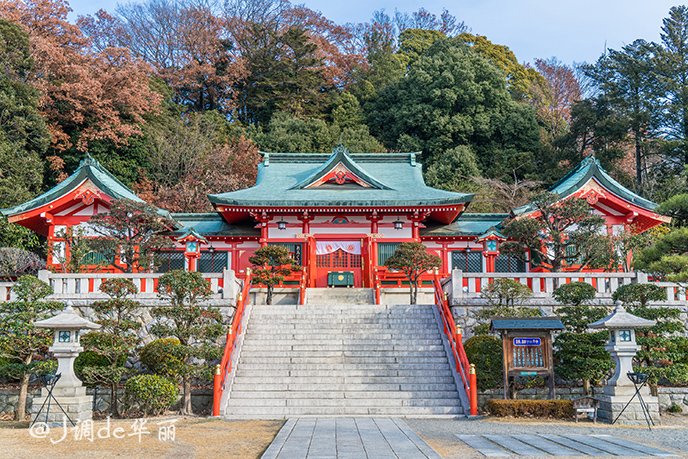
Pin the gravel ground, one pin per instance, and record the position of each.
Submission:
(672, 435)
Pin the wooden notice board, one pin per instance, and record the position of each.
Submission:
(527, 348)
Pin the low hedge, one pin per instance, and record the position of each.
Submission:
(557, 409)
(152, 393)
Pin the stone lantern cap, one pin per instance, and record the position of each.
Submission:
(622, 319)
(68, 319)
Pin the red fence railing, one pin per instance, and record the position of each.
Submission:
(466, 371)
(225, 366)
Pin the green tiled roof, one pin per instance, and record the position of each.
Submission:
(211, 224)
(465, 225)
(90, 169)
(396, 178)
(590, 168)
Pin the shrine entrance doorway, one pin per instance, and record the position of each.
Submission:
(338, 264)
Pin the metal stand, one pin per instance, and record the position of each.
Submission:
(49, 382)
(638, 378)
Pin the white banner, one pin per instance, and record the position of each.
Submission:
(325, 247)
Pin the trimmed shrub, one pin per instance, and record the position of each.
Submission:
(485, 351)
(675, 409)
(159, 356)
(556, 409)
(505, 292)
(639, 294)
(152, 393)
(574, 293)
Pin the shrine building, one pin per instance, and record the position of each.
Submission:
(338, 212)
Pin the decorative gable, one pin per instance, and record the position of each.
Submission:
(340, 170)
(340, 175)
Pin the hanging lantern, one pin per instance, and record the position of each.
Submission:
(398, 224)
(281, 225)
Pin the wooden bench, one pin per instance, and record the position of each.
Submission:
(586, 404)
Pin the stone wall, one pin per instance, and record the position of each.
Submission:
(667, 395)
(673, 396)
(201, 399)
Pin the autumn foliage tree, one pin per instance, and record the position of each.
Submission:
(192, 157)
(85, 95)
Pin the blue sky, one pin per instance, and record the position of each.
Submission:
(572, 31)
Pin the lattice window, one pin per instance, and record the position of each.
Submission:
(340, 259)
(212, 262)
(169, 261)
(95, 258)
(385, 250)
(354, 261)
(322, 261)
(467, 261)
(507, 264)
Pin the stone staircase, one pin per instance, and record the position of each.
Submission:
(342, 360)
(339, 296)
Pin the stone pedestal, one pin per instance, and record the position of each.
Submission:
(74, 401)
(612, 405)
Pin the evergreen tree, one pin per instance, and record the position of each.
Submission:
(673, 67)
(453, 97)
(629, 81)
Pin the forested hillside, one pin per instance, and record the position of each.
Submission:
(177, 97)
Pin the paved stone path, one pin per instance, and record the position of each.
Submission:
(558, 445)
(348, 438)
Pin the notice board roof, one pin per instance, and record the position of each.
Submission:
(526, 323)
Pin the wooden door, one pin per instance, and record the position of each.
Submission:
(337, 261)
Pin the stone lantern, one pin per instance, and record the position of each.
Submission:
(68, 390)
(619, 390)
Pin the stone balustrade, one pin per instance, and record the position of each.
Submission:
(465, 288)
(83, 288)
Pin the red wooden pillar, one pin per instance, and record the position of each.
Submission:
(311, 261)
(263, 233)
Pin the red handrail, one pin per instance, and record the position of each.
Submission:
(234, 331)
(302, 286)
(462, 365)
(376, 285)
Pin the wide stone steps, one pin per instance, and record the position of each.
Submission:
(353, 353)
(362, 395)
(283, 373)
(345, 347)
(270, 412)
(261, 367)
(336, 359)
(343, 360)
(348, 387)
(295, 377)
(343, 402)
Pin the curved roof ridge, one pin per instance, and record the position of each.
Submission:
(340, 154)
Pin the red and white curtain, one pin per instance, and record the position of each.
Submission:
(326, 247)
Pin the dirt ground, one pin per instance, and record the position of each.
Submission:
(194, 437)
